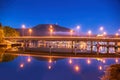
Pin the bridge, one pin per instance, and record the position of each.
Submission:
(65, 38)
(74, 42)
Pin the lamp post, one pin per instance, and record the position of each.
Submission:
(23, 28)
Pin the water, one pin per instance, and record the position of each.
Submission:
(17, 67)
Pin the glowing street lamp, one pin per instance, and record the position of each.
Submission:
(23, 28)
(89, 32)
(51, 30)
(101, 28)
(30, 31)
(78, 27)
(117, 34)
(71, 32)
(104, 33)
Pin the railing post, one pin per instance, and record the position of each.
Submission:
(91, 45)
(116, 47)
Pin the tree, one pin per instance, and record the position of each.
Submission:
(10, 32)
(1, 33)
(112, 73)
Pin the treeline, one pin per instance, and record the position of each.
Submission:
(7, 31)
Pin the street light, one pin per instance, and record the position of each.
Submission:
(51, 30)
(117, 34)
(78, 27)
(101, 28)
(104, 33)
(23, 28)
(30, 31)
(89, 32)
(71, 32)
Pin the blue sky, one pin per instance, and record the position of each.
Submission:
(89, 14)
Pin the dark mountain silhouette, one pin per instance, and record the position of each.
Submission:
(44, 29)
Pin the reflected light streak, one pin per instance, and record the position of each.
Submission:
(50, 61)
(21, 65)
(88, 61)
(77, 68)
(103, 61)
(116, 60)
(49, 67)
(70, 61)
(100, 68)
(29, 59)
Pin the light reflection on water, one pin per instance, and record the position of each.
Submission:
(21, 67)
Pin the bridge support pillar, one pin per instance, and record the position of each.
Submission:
(91, 46)
(72, 47)
(107, 47)
(98, 46)
(116, 47)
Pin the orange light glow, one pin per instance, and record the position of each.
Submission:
(77, 68)
(51, 30)
(51, 26)
(30, 30)
(50, 60)
(71, 31)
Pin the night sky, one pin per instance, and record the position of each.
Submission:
(89, 14)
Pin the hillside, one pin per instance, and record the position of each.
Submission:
(43, 29)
